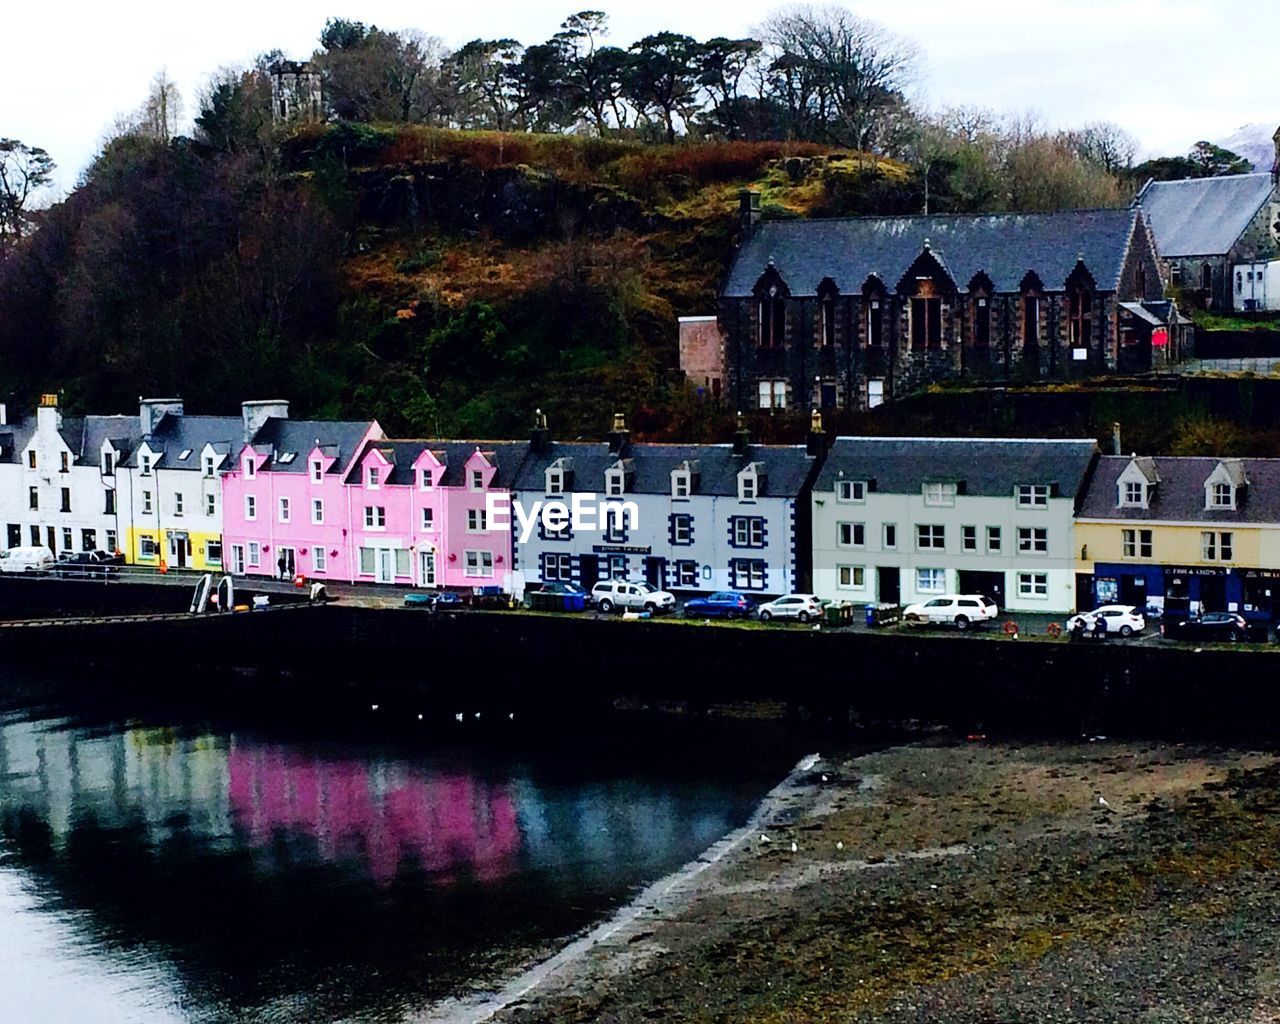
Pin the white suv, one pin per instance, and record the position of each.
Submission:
(801, 607)
(959, 610)
(611, 594)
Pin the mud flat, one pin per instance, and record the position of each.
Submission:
(955, 882)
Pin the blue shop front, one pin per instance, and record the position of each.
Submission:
(1183, 589)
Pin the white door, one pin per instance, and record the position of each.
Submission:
(237, 559)
(386, 565)
(427, 568)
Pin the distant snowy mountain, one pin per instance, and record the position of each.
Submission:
(1253, 142)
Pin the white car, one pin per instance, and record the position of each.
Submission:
(801, 607)
(634, 595)
(959, 610)
(1121, 619)
(35, 559)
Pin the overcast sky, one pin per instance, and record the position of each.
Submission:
(1168, 71)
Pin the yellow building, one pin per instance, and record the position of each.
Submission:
(1183, 534)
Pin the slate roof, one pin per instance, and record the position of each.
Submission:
(280, 436)
(14, 437)
(506, 455)
(1202, 216)
(174, 435)
(1179, 496)
(989, 467)
(787, 468)
(124, 432)
(1004, 246)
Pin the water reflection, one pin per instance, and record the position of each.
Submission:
(226, 874)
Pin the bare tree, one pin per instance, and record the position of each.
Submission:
(24, 170)
(1105, 145)
(840, 72)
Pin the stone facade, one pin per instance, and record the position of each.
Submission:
(296, 94)
(850, 343)
(702, 355)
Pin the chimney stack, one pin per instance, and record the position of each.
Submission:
(748, 211)
(540, 438)
(741, 437)
(152, 410)
(48, 416)
(816, 444)
(1115, 439)
(254, 415)
(619, 436)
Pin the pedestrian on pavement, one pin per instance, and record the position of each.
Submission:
(281, 564)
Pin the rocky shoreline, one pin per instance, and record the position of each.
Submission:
(956, 882)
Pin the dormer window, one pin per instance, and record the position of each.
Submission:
(250, 468)
(1133, 494)
(748, 487)
(209, 465)
(31, 458)
(144, 464)
(317, 471)
(940, 494)
(615, 482)
(851, 490)
(681, 484)
(426, 479)
(108, 463)
(477, 479)
(1222, 496)
(371, 476)
(555, 480)
(66, 461)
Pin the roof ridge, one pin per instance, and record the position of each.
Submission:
(956, 216)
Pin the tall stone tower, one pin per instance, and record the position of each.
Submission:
(295, 94)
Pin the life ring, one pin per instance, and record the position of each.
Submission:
(1010, 628)
(1053, 629)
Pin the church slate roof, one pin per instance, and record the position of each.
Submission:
(1202, 216)
(988, 467)
(1004, 246)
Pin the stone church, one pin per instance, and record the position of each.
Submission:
(850, 313)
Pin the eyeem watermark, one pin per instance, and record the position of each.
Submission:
(582, 513)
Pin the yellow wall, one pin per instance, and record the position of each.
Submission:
(1253, 546)
(198, 558)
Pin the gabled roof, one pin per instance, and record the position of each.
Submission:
(989, 467)
(281, 436)
(1003, 246)
(174, 435)
(123, 432)
(506, 456)
(786, 467)
(1202, 216)
(1180, 495)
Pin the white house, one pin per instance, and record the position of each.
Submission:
(702, 517)
(903, 519)
(56, 488)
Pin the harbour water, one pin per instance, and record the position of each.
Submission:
(156, 865)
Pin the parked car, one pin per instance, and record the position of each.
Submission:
(87, 563)
(801, 607)
(631, 595)
(1113, 619)
(556, 597)
(34, 559)
(433, 601)
(1211, 626)
(723, 604)
(959, 610)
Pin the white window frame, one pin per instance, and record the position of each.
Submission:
(857, 534)
(426, 478)
(1133, 494)
(284, 510)
(317, 511)
(935, 578)
(889, 536)
(209, 465)
(211, 504)
(250, 468)
(1134, 540)
(554, 483)
(995, 540)
(179, 503)
(615, 483)
(1033, 495)
(478, 564)
(936, 537)
(681, 483)
(1217, 546)
(319, 558)
(475, 480)
(477, 521)
(1222, 496)
(428, 518)
(969, 539)
(375, 517)
(317, 471)
(250, 507)
(1033, 540)
(851, 577)
(1033, 586)
(372, 477)
(851, 491)
(147, 506)
(939, 494)
(748, 487)
(255, 553)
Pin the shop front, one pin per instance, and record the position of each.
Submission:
(1190, 590)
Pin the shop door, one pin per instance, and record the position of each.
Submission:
(1213, 593)
(1177, 595)
(888, 588)
(427, 568)
(178, 550)
(1133, 590)
(655, 573)
(386, 565)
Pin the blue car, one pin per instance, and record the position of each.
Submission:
(723, 604)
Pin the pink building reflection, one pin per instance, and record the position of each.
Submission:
(381, 813)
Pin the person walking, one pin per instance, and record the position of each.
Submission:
(282, 565)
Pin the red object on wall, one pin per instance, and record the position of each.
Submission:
(1160, 336)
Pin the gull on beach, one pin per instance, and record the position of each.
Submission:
(794, 847)
(840, 844)
(1102, 802)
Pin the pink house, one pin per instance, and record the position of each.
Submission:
(418, 512)
(285, 508)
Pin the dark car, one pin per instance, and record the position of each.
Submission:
(723, 604)
(556, 597)
(1213, 626)
(87, 563)
(433, 601)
